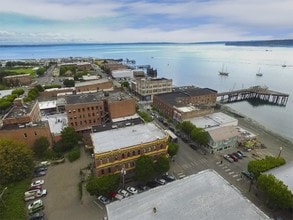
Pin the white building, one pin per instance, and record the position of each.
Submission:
(205, 196)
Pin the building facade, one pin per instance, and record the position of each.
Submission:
(201, 98)
(18, 80)
(111, 155)
(147, 87)
(94, 85)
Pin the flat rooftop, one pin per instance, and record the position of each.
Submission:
(213, 120)
(85, 98)
(56, 122)
(118, 138)
(47, 104)
(284, 173)
(91, 82)
(5, 92)
(205, 196)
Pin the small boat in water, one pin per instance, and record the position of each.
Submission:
(284, 65)
(259, 73)
(224, 72)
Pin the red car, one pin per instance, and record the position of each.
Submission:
(233, 157)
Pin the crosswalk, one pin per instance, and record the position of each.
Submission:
(181, 175)
(229, 171)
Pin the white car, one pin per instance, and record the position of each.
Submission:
(123, 192)
(160, 181)
(35, 206)
(37, 183)
(132, 190)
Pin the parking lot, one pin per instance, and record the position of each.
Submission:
(62, 200)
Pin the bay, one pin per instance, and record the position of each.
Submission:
(196, 64)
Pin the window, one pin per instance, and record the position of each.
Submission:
(133, 153)
(72, 124)
(90, 121)
(93, 114)
(25, 135)
(75, 123)
(128, 154)
(138, 152)
(88, 108)
(109, 170)
(83, 109)
(35, 133)
(102, 171)
(92, 108)
(78, 110)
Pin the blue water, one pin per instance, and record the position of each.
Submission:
(196, 64)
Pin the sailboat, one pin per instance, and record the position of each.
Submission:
(284, 65)
(259, 73)
(224, 72)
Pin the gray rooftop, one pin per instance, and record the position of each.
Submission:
(205, 196)
(174, 98)
(84, 98)
(126, 136)
(284, 173)
(56, 122)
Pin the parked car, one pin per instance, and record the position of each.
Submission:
(37, 216)
(247, 174)
(168, 178)
(123, 193)
(40, 173)
(35, 187)
(104, 200)
(236, 154)
(152, 184)
(132, 190)
(160, 181)
(193, 146)
(37, 183)
(35, 206)
(233, 157)
(33, 194)
(242, 154)
(142, 187)
(228, 158)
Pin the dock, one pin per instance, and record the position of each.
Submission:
(261, 93)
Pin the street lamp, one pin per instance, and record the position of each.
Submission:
(281, 148)
(123, 172)
(2, 195)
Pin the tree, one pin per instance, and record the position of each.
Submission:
(102, 185)
(162, 165)
(187, 127)
(200, 135)
(69, 83)
(41, 71)
(69, 138)
(278, 194)
(41, 146)
(172, 149)
(18, 91)
(144, 168)
(125, 84)
(257, 166)
(16, 161)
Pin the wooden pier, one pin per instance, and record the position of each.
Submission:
(257, 93)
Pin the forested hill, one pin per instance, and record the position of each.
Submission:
(262, 43)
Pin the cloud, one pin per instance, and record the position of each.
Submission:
(146, 20)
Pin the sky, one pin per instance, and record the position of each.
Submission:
(117, 21)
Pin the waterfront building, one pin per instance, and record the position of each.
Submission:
(170, 103)
(111, 155)
(147, 87)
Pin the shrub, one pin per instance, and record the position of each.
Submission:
(73, 154)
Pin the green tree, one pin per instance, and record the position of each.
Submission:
(102, 185)
(16, 161)
(41, 146)
(256, 167)
(18, 91)
(187, 127)
(39, 88)
(172, 149)
(69, 83)
(199, 135)
(278, 194)
(162, 165)
(69, 138)
(144, 168)
(125, 84)
(41, 71)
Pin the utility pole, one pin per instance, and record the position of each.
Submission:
(123, 172)
(2, 195)
(281, 148)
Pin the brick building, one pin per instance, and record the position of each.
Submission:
(90, 109)
(147, 87)
(94, 85)
(18, 80)
(130, 142)
(201, 98)
(22, 123)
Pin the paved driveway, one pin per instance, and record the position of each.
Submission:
(62, 201)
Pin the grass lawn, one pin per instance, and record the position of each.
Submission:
(14, 202)
(22, 70)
